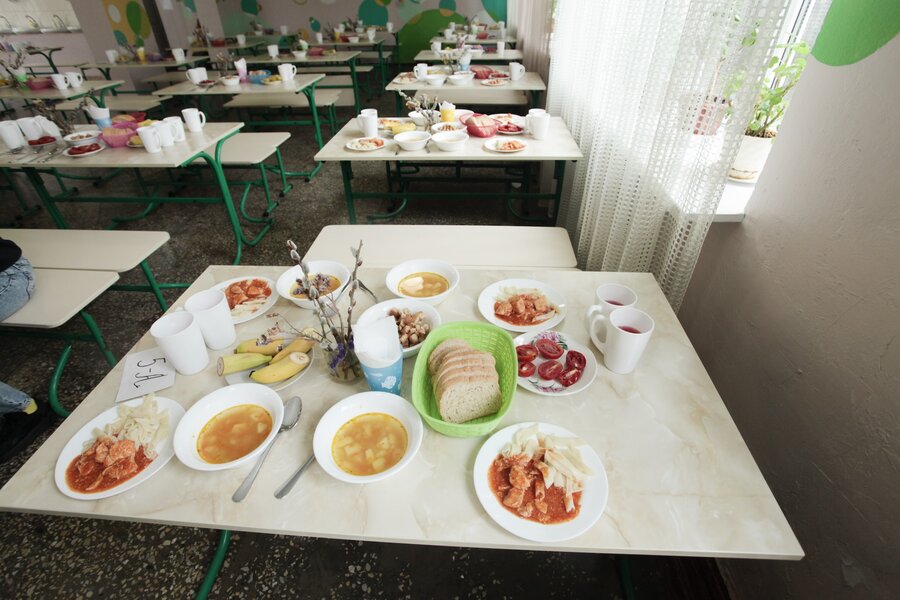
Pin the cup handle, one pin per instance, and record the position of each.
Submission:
(202, 118)
(592, 329)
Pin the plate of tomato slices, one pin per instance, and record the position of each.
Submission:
(84, 150)
(552, 364)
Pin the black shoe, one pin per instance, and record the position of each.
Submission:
(18, 429)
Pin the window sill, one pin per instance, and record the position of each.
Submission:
(734, 201)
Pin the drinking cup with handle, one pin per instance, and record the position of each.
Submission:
(194, 119)
(621, 337)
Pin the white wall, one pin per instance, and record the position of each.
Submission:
(796, 314)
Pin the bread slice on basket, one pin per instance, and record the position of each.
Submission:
(464, 380)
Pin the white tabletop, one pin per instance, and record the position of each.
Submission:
(51, 93)
(169, 157)
(116, 251)
(529, 82)
(506, 55)
(44, 310)
(170, 63)
(186, 88)
(681, 479)
(340, 56)
(559, 145)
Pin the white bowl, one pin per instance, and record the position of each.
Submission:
(476, 52)
(435, 80)
(412, 140)
(231, 80)
(209, 406)
(419, 118)
(461, 78)
(353, 39)
(380, 310)
(94, 136)
(448, 126)
(299, 53)
(448, 141)
(329, 267)
(360, 404)
(420, 265)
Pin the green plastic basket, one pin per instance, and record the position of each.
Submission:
(481, 336)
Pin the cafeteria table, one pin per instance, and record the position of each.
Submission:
(471, 92)
(106, 67)
(508, 55)
(492, 40)
(89, 88)
(377, 45)
(682, 481)
(515, 168)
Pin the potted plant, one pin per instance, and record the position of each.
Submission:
(772, 101)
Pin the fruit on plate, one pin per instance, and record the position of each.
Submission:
(281, 370)
(401, 127)
(135, 140)
(232, 363)
(84, 149)
(122, 119)
(481, 126)
(298, 345)
(272, 79)
(270, 348)
(45, 139)
(146, 123)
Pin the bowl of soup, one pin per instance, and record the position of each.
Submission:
(367, 437)
(328, 276)
(425, 279)
(228, 427)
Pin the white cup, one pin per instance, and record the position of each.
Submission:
(448, 33)
(112, 56)
(196, 75)
(30, 127)
(178, 54)
(501, 47)
(194, 119)
(150, 138)
(389, 26)
(539, 125)
(178, 336)
(48, 126)
(283, 29)
(166, 135)
(74, 78)
(621, 337)
(177, 128)
(11, 135)
(210, 310)
(421, 71)
(241, 39)
(319, 37)
(370, 35)
(368, 124)
(59, 81)
(609, 297)
(287, 72)
(341, 27)
(272, 49)
(435, 46)
(369, 111)
(516, 71)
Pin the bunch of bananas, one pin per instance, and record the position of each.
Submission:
(278, 359)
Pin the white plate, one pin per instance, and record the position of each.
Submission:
(554, 388)
(133, 146)
(593, 498)
(360, 404)
(508, 118)
(244, 376)
(75, 446)
(261, 310)
(494, 82)
(354, 145)
(380, 310)
(489, 294)
(98, 150)
(519, 132)
(491, 145)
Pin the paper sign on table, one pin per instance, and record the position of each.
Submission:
(145, 372)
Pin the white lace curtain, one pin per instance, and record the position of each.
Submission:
(641, 87)
(534, 24)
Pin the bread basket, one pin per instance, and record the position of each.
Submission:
(482, 336)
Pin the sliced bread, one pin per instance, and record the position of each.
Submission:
(467, 398)
(437, 355)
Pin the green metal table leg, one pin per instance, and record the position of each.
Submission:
(154, 287)
(347, 174)
(285, 186)
(53, 394)
(381, 65)
(310, 93)
(624, 565)
(215, 566)
(355, 84)
(45, 197)
(98, 337)
(398, 103)
(559, 172)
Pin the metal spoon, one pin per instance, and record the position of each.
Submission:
(291, 416)
(288, 485)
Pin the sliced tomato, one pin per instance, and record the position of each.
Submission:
(526, 369)
(549, 349)
(550, 369)
(575, 360)
(526, 353)
(569, 377)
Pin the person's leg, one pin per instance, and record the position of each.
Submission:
(16, 287)
(13, 400)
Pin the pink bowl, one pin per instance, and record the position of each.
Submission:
(129, 125)
(117, 141)
(39, 83)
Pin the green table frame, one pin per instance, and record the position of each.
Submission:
(354, 80)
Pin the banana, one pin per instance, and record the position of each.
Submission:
(298, 345)
(233, 363)
(271, 349)
(283, 369)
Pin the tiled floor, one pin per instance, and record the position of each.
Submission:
(55, 557)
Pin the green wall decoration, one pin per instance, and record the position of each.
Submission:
(447, 5)
(373, 12)
(129, 22)
(495, 8)
(250, 7)
(419, 30)
(314, 24)
(189, 4)
(854, 29)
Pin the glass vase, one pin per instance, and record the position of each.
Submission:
(343, 364)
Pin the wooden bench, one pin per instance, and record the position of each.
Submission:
(338, 70)
(502, 247)
(327, 100)
(253, 150)
(129, 103)
(477, 97)
(175, 77)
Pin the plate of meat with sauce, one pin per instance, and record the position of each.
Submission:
(118, 449)
(523, 305)
(540, 482)
(248, 297)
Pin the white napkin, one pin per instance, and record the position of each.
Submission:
(96, 112)
(378, 343)
(241, 66)
(447, 105)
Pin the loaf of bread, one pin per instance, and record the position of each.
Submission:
(464, 380)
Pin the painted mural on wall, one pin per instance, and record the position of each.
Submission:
(854, 29)
(128, 20)
(416, 20)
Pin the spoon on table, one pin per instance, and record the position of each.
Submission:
(291, 416)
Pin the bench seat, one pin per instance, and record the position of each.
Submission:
(59, 295)
(175, 77)
(131, 102)
(477, 97)
(249, 148)
(339, 70)
(323, 98)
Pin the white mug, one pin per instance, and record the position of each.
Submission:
(178, 54)
(272, 49)
(30, 127)
(369, 112)
(74, 78)
(283, 29)
(609, 297)
(319, 37)
(501, 46)
(177, 128)
(194, 119)
(341, 27)
(112, 56)
(166, 135)
(287, 72)
(150, 138)
(389, 26)
(516, 71)
(370, 35)
(626, 332)
(368, 124)
(448, 33)
(196, 75)
(210, 310)
(421, 71)
(435, 46)
(11, 135)
(178, 336)
(539, 125)
(59, 81)
(241, 39)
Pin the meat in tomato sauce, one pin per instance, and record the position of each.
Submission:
(519, 487)
(106, 464)
(524, 309)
